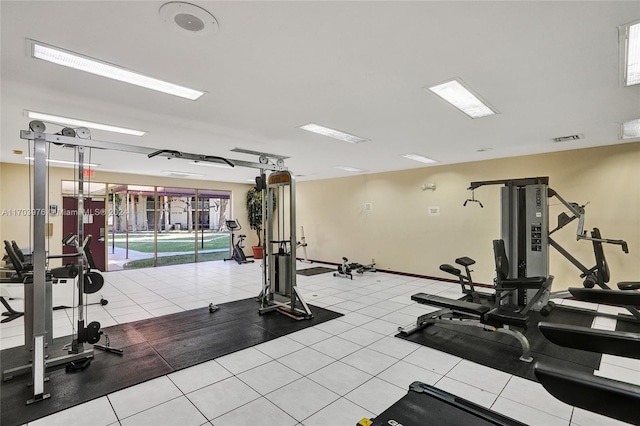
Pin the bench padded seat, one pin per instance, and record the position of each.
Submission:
(457, 305)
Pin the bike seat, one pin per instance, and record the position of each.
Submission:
(465, 261)
(242, 236)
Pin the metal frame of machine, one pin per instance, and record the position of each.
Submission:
(38, 295)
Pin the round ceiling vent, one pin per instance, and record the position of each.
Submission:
(189, 19)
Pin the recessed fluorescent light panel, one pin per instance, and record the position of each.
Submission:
(172, 173)
(82, 123)
(84, 63)
(631, 129)
(631, 40)
(457, 94)
(332, 133)
(421, 158)
(70, 163)
(349, 169)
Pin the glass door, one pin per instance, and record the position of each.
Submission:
(210, 216)
(131, 237)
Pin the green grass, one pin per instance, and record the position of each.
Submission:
(172, 242)
(175, 260)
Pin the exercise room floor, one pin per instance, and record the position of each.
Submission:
(332, 374)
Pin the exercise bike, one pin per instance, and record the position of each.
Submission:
(237, 253)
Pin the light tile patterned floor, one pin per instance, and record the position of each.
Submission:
(330, 375)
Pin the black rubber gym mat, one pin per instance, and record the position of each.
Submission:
(315, 271)
(152, 348)
(502, 352)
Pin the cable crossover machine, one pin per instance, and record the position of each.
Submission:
(279, 288)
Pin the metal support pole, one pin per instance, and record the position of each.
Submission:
(39, 272)
(77, 343)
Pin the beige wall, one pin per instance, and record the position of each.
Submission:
(14, 194)
(400, 234)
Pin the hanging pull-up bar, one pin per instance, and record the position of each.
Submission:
(169, 153)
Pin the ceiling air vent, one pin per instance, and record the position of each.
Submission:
(569, 138)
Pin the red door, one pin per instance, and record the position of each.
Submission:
(94, 224)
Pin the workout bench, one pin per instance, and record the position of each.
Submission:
(461, 313)
(497, 318)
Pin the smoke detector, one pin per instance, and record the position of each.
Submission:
(188, 19)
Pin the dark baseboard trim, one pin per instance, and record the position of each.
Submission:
(406, 274)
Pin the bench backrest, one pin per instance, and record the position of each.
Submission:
(501, 260)
(15, 260)
(602, 268)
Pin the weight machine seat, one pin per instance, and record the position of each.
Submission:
(503, 316)
(48, 277)
(502, 272)
(618, 400)
(465, 261)
(457, 305)
(67, 271)
(629, 285)
(27, 264)
(18, 266)
(450, 269)
(611, 297)
(523, 283)
(620, 343)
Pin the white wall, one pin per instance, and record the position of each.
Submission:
(401, 236)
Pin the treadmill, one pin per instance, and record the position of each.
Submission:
(426, 405)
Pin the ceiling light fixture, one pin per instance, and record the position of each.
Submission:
(631, 129)
(349, 169)
(460, 96)
(79, 62)
(630, 42)
(332, 133)
(173, 173)
(70, 163)
(82, 123)
(421, 158)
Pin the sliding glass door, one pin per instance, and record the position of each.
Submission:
(156, 226)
